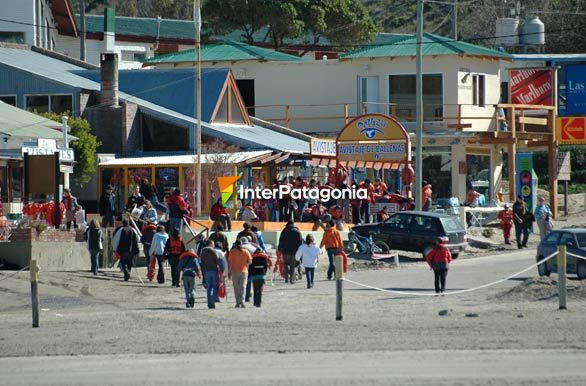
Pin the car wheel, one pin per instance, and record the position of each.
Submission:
(380, 247)
(350, 247)
(425, 250)
(542, 269)
(581, 270)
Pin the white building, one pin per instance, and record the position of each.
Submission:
(37, 22)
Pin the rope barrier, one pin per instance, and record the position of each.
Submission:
(579, 257)
(15, 273)
(454, 292)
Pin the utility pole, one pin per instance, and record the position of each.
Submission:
(419, 108)
(197, 19)
(82, 28)
(455, 20)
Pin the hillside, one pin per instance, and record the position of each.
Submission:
(565, 20)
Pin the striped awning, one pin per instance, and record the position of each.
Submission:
(331, 162)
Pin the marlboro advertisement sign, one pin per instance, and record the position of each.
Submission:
(531, 86)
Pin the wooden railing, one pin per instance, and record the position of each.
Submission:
(457, 121)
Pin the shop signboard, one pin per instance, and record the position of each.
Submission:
(576, 89)
(524, 163)
(373, 138)
(531, 86)
(324, 147)
(570, 130)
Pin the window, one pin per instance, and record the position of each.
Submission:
(424, 224)
(567, 238)
(478, 90)
(139, 57)
(551, 239)
(8, 99)
(49, 103)
(402, 93)
(399, 221)
(452, 224)
(368, 92)
(12, 37)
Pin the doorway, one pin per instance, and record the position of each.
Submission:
(368, 94)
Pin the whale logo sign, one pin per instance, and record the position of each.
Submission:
(226, 185)
(371, 126)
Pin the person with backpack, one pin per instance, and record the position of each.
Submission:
(95, 239)
(439, 259)
(257, 273)
(177, 209)
(289, 242)
(308, 254)
(148, 232)
(189, 265)
(238, 261)
(157, 251)
(173, 250)
(219, 237)
(125, 243)
(211, 265)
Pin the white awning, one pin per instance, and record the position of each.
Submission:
(229, 158)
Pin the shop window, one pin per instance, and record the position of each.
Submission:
(12, 37)
(478, 90)
(402, 93)
(8, 99)
(437, 170)
(478, 174)
(49, 103)
(114, 177)
(166, 180)
(136, 175)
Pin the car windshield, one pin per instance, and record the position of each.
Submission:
(581, 239)
(451, 224)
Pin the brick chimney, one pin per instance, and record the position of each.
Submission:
(109, 79)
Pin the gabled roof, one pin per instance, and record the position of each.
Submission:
(15, 122)
(227, 51)
(250, 137)
(432, 45)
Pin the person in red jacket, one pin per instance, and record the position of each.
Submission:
(505, 217)
(220, 215)
(439, 259)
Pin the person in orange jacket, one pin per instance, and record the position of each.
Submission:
(426, 197)
(505, 217)
(332, 242)
(439, 259)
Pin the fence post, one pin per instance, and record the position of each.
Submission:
(346, 113)
(339, 272)
(561, 262)
(287, 115)
(34, 272)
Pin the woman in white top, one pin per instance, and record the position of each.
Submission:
(308, 253)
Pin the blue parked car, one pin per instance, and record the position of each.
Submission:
(575, 240)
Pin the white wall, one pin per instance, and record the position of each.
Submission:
(336, 82)
(36, 14)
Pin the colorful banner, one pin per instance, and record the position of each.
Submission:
(576, 89)
(531, 86)
(524, 170)
(570, 130)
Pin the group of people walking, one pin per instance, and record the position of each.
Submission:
(522, 219)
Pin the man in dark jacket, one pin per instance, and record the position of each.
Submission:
(246, 232)
(148, 232)
(521, 224)
(289, 242)
(210, 266)
(108, 207)
(219, 237)
(125, 243)
(135, 200)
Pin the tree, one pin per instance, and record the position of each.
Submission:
(221, 159)
(84, 147)
(127, 8)
(343, 22)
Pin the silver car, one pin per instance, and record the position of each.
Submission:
(575, 240)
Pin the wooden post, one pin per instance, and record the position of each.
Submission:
(363, 108)
(512, 152)
(566, 187)
(552, 165)
(393, 110)
(34, 272)
(287, 115)
(339, 272)
(561, 262)
(346, 113)
(459, 117)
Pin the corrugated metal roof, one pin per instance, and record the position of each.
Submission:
(226, 51)
(432, 45)
(15, 122)
(254, 137)
(549, 57)
(170, 88)
(183, 159)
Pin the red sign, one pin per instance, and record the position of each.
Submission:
(531, 86)
(571, 130)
